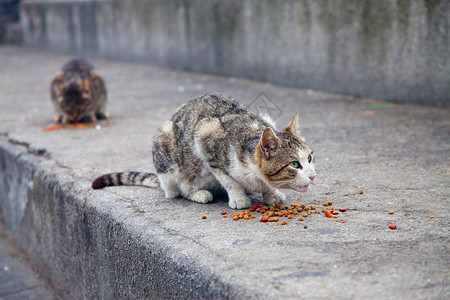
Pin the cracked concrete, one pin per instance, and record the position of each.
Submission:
(130, 242)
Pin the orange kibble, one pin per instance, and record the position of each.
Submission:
(305, 214)
(283, 222)
(432, 217)
(204, 217)
(312, 206)
(300, 218)
(391, 212)
(327, 213)
(317, 212)
(360, 191)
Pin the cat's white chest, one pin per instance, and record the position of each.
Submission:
(246, 174)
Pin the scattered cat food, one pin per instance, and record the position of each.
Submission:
(343, 221)
(360, 191)
(283, 222)
(342, 209)
(327, 203)
(391, 212)
(432, 217)
(203, 217)
(392, 226)
(53, 127)
(273, 212)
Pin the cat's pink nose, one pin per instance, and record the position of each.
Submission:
(312, 177)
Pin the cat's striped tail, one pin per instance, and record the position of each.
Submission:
(126, 178)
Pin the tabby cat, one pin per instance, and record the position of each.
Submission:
(214, 144)
(78, 93)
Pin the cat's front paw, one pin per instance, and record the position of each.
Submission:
(274, 197)
(239, 202)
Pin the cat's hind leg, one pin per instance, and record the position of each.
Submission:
(101, 113)
(196, 195)
(168, 185)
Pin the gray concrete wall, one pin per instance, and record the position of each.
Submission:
(386, 49)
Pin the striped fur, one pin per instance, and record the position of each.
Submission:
(126, 178)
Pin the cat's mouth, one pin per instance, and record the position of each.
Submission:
(301, 188)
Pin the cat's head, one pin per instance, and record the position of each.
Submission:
(285, 159)
(74, 97)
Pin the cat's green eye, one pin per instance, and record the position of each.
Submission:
(295, 165)
(309, 158)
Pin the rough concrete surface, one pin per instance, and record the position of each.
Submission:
(130, 242)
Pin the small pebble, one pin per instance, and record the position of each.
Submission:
(305, 227)
(392, 226)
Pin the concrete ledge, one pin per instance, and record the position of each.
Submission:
(131, 243)
(392, 50)
(93, 249)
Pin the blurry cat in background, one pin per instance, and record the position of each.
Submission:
(78, 93)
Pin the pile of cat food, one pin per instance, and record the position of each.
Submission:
(69, 126)
(282, 213)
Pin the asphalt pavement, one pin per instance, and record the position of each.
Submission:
(384, 163)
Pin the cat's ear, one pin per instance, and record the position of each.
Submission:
(292, 127)
(270, 143)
